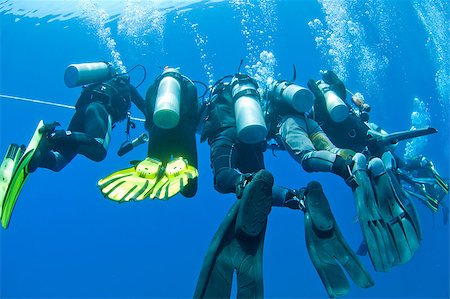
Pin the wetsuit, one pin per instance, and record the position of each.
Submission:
(165, 144)
(238, 168)
(305, 140)
(99, 107)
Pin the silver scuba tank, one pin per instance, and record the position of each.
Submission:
(86, 73)
(166, 113)
(250, 125)
(336, 107)
(299, 98)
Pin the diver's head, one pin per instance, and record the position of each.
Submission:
(358, 100)
(168, 69)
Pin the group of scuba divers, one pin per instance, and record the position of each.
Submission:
(319, 128)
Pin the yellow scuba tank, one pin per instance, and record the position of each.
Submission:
(299, 98)
(166, 114)
(336, 107)
(250, 125)
(86, 73)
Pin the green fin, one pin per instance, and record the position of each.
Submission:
(134, 183)
(403, 227)
(326, 246)
(7, 168)
(374, 228)
(19, 176)
(177, 175)
(439, 180)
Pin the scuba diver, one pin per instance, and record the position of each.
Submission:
(102, 104)
(287, 108)
(421, 180)
(171, 164)
(354, 131)
(391, 230)
(233, 124)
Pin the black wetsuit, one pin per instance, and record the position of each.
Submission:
(233, 163)
(99, 107)
(165, 144)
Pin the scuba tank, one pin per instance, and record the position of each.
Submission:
(166, 113)
(86, 73)
(250, 125)
(297, 97)
(337, 109)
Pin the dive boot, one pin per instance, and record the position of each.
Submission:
(134, 183)
(373, 226)
(20, 174)
(402, 226)
(178, 174)
(327, 247)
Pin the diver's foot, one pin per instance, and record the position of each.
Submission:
(256, 205)
(43, 147)
(296, 202)
(38, 155)
(47, 129)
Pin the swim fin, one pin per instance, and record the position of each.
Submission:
(426, 199)
(233, 249)
(382, 140)
(402, 226)
(19, 176)
(7, 168)
(439, 180)
(326, 246)
(177, 175)
(134, 183)
(374, 229)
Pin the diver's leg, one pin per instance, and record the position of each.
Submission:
(294, 135)
(224, 157)
(160, 144)
(188, 150)
(88, 133)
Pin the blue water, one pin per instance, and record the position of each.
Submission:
(66, 241)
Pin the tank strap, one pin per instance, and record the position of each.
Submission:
(246, 92)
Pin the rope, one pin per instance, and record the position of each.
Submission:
(51, 104)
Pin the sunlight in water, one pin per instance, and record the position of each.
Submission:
(342, 40)
(420, 118)
(201, 42)
(97, 18)
(67, 9)
(435, 15)
(258, 34)
(141, 19)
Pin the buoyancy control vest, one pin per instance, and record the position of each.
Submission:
(219, 112)
(114, 94)
(351, 133)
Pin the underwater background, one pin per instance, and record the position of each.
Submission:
(66, 241)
